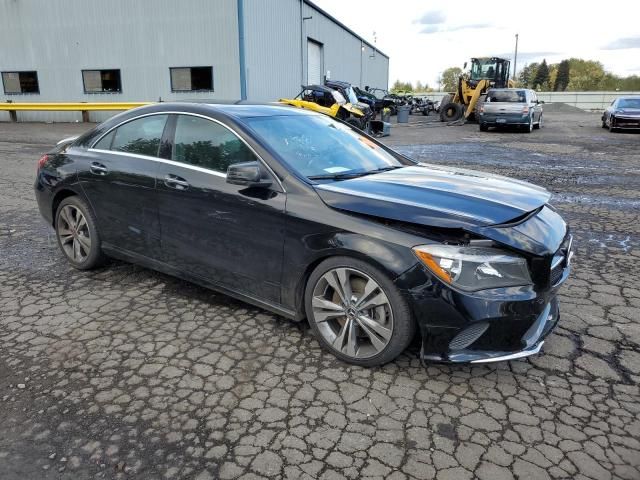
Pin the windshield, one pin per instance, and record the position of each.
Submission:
(353, 99)
(515, 96)
(483, 68)
(317, 146)
(629, 103)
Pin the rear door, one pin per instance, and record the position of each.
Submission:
(118, 177)
(227, 234)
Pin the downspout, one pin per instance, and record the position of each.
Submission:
(302, 82)
(243, 71)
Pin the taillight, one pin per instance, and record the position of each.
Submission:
(481, 108)
(42, 161)
(525, 109)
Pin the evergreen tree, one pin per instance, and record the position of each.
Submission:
(542, 75)
(562, 79)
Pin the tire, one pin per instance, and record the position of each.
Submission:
(451, 112)
(529, 127)
(604, 123)
(77, 234)
(425, 112)
(538, 125)
(479, 103)
(343, 326)
(484, 127)
(356, 122)
(446, 100)
(611, 127)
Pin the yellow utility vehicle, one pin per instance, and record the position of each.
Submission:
(485, 73)
(329, 102)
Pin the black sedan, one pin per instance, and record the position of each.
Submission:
(309, 218)
(623, 113)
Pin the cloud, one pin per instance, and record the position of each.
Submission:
(623, 43)
(432, 17)
(454, 28)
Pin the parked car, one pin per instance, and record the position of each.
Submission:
(623, 113)
(370, 99)
(511, 106)
(308, 217)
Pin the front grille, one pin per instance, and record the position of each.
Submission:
(556, 273)
(560, 261)
(468, 336)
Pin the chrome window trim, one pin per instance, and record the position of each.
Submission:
(162, 160)
(173, 162)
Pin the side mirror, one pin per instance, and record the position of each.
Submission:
(248, 174)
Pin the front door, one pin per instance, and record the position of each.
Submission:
(118, 176)
(227, 234)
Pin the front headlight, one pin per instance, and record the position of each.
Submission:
(474, 268)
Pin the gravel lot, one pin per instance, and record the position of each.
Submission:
(127, 373)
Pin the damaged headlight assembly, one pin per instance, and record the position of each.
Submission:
(472, 268)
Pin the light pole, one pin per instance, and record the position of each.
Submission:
(515, 59)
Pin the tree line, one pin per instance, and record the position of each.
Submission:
(570, 75)
(574, 75)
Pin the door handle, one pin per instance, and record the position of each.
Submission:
(98, 168)
(173, 181)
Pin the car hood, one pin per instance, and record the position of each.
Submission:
(447, 197)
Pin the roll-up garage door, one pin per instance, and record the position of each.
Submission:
(314, 63)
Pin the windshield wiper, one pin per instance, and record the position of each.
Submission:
(345, 175)
(337, 176)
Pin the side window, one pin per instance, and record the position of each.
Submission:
(105, 142)
(141, 136)
(206, 144)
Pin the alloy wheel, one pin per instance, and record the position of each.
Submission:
(73, 232)
(352, 313)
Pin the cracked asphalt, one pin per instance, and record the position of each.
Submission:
(126, 373)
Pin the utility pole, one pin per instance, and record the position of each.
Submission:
(515, 59)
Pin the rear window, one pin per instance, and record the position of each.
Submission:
(629, 103)
(514, 96)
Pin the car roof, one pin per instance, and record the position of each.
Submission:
(236, 109)
(515, 89)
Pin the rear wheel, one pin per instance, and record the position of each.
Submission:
(529, 127)
(77, 234)
(539, 124)
(357, 313)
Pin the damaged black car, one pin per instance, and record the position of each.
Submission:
(312, 219)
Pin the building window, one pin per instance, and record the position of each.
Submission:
(191, 79)
(20, 82)
(101, 81)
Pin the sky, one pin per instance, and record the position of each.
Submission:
(424, 37)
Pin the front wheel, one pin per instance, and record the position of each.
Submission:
(356, 122)
(484, 127)
(611, 127)
(357, 313)
(77, 233)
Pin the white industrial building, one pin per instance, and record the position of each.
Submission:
(136, 51)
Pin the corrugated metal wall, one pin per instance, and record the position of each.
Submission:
(272, 44)
(59, 38)
(344, 57)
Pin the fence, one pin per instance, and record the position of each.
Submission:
(583, 100)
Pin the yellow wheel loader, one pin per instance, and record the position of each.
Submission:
(485, 73)
(329, 102)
